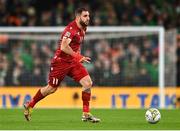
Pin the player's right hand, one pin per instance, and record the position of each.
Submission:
(79, 58)
(86, 59)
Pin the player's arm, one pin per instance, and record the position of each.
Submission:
(68, 50)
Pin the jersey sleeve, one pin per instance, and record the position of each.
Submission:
(68, 33)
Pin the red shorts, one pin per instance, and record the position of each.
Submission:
(60, 68)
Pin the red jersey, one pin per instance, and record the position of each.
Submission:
(76, 35)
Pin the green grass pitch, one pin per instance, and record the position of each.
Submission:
(70, 119)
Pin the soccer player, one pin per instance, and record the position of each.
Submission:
(68, 61)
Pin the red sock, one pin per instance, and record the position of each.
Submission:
(36, 98)
(86, 98)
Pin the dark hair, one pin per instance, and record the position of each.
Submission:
(78, 11)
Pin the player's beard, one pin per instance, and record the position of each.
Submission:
(82, 23)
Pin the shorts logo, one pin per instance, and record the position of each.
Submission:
(67, 34)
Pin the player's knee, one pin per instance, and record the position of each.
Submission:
(88, 84)
(51, 89)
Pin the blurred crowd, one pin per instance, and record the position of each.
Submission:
(123, 63)
(114, 12)
(131, 61)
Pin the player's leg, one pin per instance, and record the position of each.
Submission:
(41, 93)
(81, 75)
(86, 83)
(58, 70)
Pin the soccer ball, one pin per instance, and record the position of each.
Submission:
(152, 115)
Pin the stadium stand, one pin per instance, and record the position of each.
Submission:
(28, 67)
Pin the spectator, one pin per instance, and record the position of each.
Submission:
(178, 63)
(112, 61)
(143, 79)
(3, 68)
(36, 78)
(125, 12)
(116, 76)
